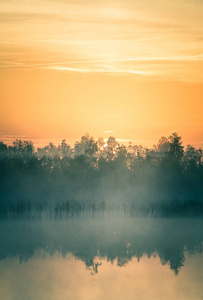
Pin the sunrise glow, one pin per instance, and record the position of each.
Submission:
(70, 67)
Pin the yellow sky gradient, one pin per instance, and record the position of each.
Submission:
(131, 69)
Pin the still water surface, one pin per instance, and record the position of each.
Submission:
(101, 258)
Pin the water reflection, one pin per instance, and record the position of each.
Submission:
(118, 240)
(55, 277)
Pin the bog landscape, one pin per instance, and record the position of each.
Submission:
(101, 150)
(98, 176)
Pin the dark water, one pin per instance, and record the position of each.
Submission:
(101, 257)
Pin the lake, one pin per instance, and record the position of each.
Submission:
(101, 257)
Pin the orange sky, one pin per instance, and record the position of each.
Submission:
(130, 69)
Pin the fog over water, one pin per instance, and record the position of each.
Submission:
(116, 213)
(101, 256)
(118, 239)
(101, 220)
(56, 181)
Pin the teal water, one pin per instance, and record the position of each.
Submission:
(101, 257)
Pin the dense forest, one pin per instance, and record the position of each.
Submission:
(101, 176)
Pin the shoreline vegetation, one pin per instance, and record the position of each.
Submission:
(96, 176)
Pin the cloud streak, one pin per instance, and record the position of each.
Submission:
(198, 57)
(78, 36)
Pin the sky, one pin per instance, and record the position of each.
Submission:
(129, 69)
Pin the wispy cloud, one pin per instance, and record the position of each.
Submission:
(184, 68)
(107, 131)
(113, 33)
(57, 65)
(114, 71)
(198, 57)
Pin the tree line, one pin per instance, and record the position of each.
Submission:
(97, 175)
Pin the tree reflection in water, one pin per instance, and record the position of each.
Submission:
(116, 239)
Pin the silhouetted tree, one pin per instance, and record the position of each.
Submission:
(176, 149)
(23, 147)
(193, 157)
(3, 147)
(95, 174)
